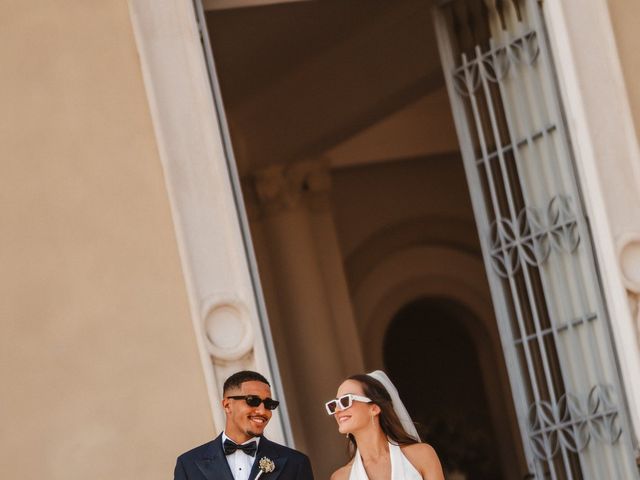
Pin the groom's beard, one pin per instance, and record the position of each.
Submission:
(257, 430)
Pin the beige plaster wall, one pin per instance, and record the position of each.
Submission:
(625, 16)
(98, 362)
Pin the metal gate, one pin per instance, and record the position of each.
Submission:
(536, 240)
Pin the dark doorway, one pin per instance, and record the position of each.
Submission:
(358, 86)
(432, 359)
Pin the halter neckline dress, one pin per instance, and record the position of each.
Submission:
(401, 467)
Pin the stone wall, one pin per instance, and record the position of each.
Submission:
(101, 376)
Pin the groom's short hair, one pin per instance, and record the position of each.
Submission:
(238, 378)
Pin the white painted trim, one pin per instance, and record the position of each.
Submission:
(225, 4)
(208, 226)
(586, 143)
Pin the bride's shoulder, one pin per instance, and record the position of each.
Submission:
(342, 473)
(418, 449)
(424, 458)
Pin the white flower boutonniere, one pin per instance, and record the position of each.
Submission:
(266, 465)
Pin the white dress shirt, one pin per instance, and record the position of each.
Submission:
(239, 462)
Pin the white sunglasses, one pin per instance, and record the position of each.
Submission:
(344, 402)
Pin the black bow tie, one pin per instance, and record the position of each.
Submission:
(248, 448)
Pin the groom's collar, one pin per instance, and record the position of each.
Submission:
(213, 463)
(226, 437)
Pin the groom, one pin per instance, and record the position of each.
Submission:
(238, 452)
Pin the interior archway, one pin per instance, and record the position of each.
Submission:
(434, 361)
(439, 272)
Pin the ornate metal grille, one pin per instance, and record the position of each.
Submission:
(535, 239)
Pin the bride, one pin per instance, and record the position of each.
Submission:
(382, 439)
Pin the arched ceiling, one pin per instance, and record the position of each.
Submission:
(300, 78)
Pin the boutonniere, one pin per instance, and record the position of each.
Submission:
(265, 465)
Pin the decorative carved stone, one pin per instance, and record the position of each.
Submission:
(228, 332)
(274, 189)
(281, 187)
(629, 259)
(318, 182)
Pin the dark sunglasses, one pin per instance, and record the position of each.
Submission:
(254, 401)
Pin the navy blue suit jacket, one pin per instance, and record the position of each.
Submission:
(208, 462)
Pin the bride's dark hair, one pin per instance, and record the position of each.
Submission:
(389, 421)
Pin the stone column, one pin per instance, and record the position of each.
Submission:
(312, 322)
(332, 266)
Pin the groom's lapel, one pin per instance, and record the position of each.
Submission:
(272, 451)
(213, 463)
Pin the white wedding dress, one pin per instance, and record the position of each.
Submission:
(401, 467)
